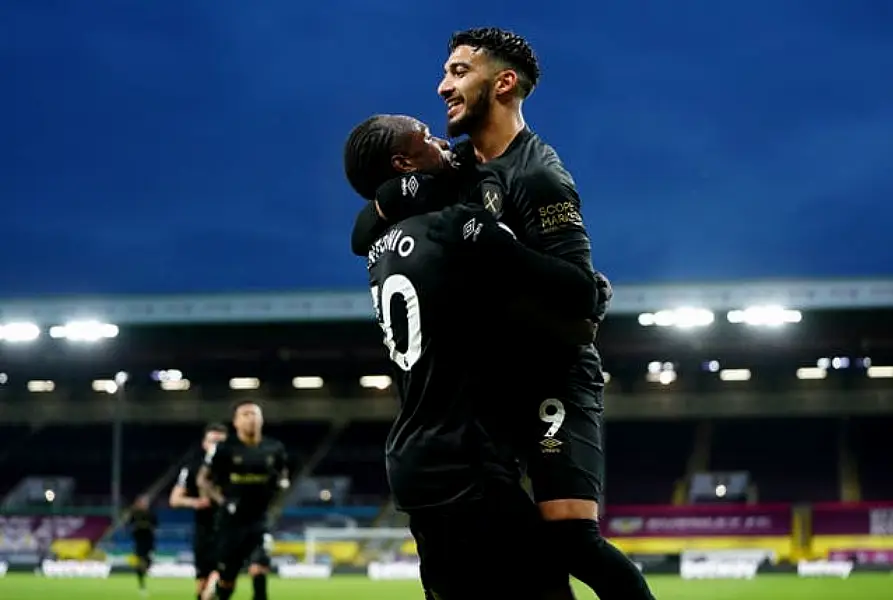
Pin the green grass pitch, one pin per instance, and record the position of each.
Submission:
(768, 587)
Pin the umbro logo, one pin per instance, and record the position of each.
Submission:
(409, 186)
(471, 229)
(550, 445)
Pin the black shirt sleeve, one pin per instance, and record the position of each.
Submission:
(400, 198)
(367, 228)
(493, 247)
(502, 268)
(549, 209)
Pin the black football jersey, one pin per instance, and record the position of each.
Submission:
(431, 304)
(529, 189)
(248, 476)
(143, 524)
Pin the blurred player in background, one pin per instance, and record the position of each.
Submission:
(142, 524)
(450, 454)
(244, 475)
(521, 180)
(186, 494)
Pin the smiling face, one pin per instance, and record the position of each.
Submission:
(421, 151)
(467, 89)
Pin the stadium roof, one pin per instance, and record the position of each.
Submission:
(333, 306)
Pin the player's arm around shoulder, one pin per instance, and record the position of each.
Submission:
(395, 200)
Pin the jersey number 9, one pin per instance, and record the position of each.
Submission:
(381, 301)
(552, 412)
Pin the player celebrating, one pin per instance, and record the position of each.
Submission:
(488, 75)
(244, 475)
(451, 453)
(143, 523)
(186, 494)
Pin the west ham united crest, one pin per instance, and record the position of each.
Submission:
(491, 196)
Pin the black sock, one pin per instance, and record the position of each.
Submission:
(260, 587)
(598, 564)
(141, 577)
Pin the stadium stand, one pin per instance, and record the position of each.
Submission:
(359, 454)
(790, 460)
(671, 414)
(300, 438)
(870, 439)
(644, 460)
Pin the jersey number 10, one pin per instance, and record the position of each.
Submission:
(381, 301)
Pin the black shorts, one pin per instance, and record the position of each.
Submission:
(494, 547)
(204, 551)
(143, 549)
(567, 458)
(240, 544)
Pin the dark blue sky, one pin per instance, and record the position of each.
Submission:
(181, 146)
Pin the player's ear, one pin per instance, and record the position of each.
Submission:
(402, 163)
(506, 82)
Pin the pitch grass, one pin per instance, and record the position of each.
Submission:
(767, 587)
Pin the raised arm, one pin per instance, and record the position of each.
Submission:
(211, 472)
(180, 497)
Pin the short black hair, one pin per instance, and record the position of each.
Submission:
(508, 48)
(368, 152)
(240, 403)
(216, 428)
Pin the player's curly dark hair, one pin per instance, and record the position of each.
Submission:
(368, 152)
(508, 48)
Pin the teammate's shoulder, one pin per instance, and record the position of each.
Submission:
(401, 240)
(409, 186)
(548, 177)
(390, 240)
(540, 153)
(532, 157)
